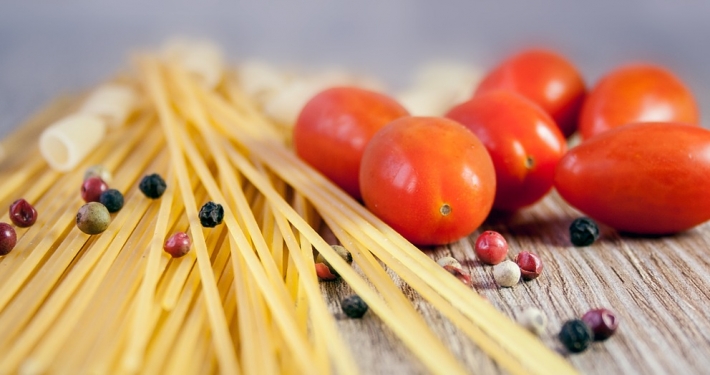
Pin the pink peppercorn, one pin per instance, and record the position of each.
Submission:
(177, 245)
(22, 213)
(530, 265)
(8, 238)
(491, 247)
(603, 323)
(92, 188)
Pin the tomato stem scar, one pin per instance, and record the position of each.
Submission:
(445, 209)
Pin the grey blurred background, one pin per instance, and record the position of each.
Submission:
(53, 47)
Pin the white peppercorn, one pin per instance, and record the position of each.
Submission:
(506, 273)
(533, 320)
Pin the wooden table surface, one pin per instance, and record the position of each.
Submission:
(659, 288)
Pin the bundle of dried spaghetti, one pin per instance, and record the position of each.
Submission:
(246, 298)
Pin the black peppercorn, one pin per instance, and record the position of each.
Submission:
(353, 306)
(211, 214)
(576, 335)
(583, 231)
(153, 186)
(112, 199)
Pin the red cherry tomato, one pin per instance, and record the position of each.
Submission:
(334, 126)
(428, 178)
(649, 178)
(636, 93)
(524, 143)
(544, 77)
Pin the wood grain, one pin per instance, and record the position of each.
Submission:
(659, 288)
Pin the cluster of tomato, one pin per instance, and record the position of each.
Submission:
(643, 165)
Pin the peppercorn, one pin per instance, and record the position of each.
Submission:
(506, 274)
(530, 265)
(453, 266)
(491, 247)
(93, 218)
(211, 214)
(575, 335)
(112, 199)
(8, 238)
(153, 186)
(533, 320)
(603, 323)
(325, 272)
(343, 253)
(177, 245)
(98, 171)
(22, 213)
(92, 188)
(353, 306)
(583, 231)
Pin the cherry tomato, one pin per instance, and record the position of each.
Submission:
(335, 125)
(544, 77)
(636, 93)
(647, 178)
(428, 178)
(524, 143)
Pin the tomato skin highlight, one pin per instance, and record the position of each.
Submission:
(335, 125)
(636, 93)
(429, 178)
(523, 141)
(647, 178)
(544, 77)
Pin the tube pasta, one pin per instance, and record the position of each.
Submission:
(65, 143)
(113, 102)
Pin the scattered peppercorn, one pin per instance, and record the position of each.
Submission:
(530, 265)
(603, 323)
(153, 186)
(575, 335)
(8, 238)
(453, 266)
(533, 320)
(211, 214)
(112, 199)
(353, 306)
(22, 213)
(93, 218)
(332, 274)
(92, 188)
(506, 274)
(583, 231)
(325, 272)
(177, 245)
(98, 171)
(491, 247)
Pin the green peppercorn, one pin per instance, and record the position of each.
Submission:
(583, 231)
(153, 186)
(353, 306)
(576, 335)
(93, 218)
(112, 199)
(211, 214)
